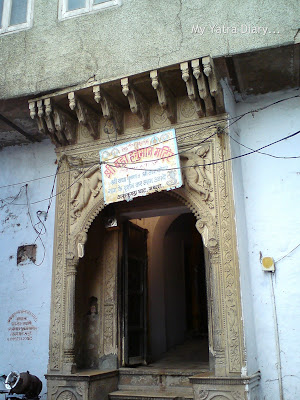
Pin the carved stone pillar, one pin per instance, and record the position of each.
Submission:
(216, 301)
(69, 365)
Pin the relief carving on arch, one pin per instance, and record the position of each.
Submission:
(85, 185)
(196, 172)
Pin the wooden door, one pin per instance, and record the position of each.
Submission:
(134, 294)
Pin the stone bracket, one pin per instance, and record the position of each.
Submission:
(54, 122)
(138, 104)
(214, 85)
(192, 89)
(203, 88)
(165, 97)
(85, 114)
(110, 110)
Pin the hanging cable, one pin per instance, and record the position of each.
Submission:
(235, 119)
(262, 153)
(277, 261)
(207, 164)
(40, 232)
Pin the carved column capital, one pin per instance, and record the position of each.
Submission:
(72, 266)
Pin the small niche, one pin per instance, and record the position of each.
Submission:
(25, 253)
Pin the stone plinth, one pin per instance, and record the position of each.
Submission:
(209, 387)
(87, 385)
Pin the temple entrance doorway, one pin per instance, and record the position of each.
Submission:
(165, 306)
(141, 290)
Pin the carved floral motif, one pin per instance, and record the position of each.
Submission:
(159, 115)
(238, 396)
(201, 394)
(187, 109)
(66, 395)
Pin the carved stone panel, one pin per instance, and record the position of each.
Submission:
(109, 312)
(59, 262)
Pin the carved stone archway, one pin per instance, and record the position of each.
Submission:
(207, 192)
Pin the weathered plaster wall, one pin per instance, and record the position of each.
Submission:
(270, 198)
(137, 36)
(25, 288)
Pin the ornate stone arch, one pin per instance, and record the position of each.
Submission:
(206, 222)
(207, 193)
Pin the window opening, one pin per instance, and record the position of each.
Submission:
(18, 12)
(15, 15)
(1, 12)
(75, 4)
(73, 8)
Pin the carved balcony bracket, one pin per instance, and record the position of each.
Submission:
(164, 95)
(192, 89)
(85, 114)
(110, 110)
(203, 88)
(54, 122)
(214, 85)
(138, 105)
(37, 114)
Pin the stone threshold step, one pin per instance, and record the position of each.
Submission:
(148, 395)
(161, 371)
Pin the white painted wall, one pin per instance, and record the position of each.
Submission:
(25, 287)
(267, 192)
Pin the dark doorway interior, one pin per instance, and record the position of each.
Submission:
(177, 301)
(185, 292)
(161, 301)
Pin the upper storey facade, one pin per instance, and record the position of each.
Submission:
(61, 43)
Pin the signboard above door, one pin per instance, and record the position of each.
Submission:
(140, 167)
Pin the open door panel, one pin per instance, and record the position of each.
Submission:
(134, 294)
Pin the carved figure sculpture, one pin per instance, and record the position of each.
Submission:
(195, 171)
(90, 184)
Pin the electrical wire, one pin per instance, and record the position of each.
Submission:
(262, 153)
(5, 203)
(168, 169)
(134, 136)
(35, 226)
(62, 191)
(76, 167)
(277, 261)
(212, 163)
